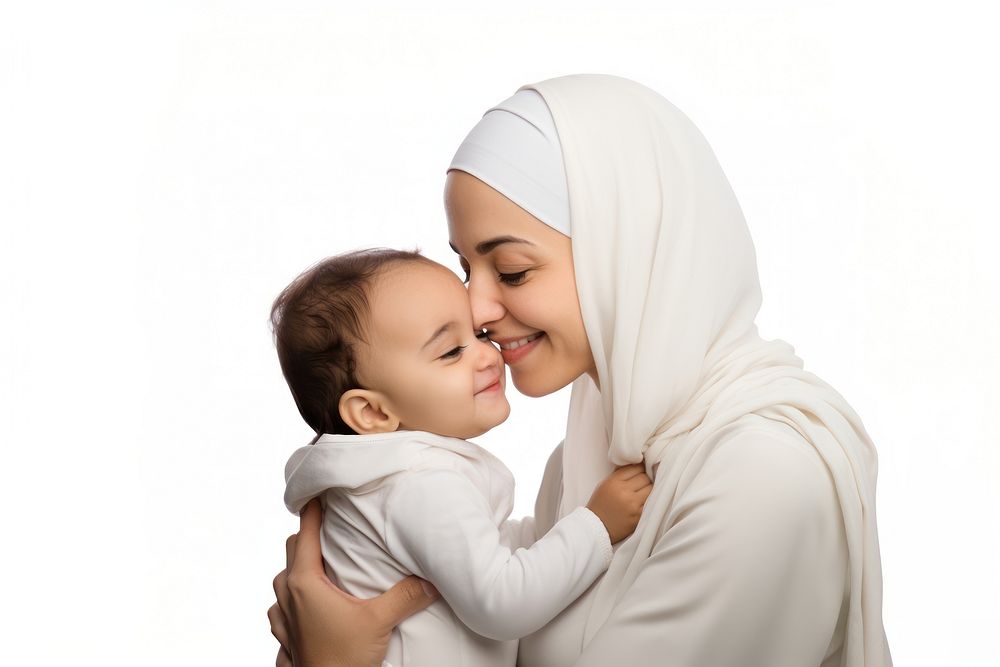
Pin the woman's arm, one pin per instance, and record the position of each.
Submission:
(317, 624)
(753, 573)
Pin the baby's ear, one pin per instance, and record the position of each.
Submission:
(367, 412)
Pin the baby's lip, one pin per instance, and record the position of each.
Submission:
(495, 380)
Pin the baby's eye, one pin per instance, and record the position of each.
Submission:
(453, 353)
(483, 335)
(512, 278)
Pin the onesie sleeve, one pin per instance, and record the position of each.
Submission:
(439, 526)
(517, 533)
(752, 574)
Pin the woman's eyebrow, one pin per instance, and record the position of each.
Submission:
(486, 247)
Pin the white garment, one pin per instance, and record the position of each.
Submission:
(411, 502)
(515, 150)
(753, 576)
(667, 281)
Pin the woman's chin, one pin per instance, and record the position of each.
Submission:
(536, 384)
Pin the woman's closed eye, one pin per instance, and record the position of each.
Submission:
(512, 278)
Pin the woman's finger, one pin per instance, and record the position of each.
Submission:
(402, 600)
(307, 554)
(290, 550)
(279, 626)
(280, 585)
(283, 659)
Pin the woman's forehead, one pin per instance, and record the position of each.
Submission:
(481, 219)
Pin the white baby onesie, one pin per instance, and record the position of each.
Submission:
(411, 502)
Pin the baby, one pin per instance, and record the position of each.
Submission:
(382, 358)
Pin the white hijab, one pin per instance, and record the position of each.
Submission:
(667, 279)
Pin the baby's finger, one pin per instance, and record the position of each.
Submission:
(638, 482)
(629, 471)
(644, 492)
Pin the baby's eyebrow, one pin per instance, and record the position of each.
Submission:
(437, 334)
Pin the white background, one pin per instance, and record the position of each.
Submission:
(166, 168)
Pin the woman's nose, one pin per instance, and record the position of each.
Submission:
(485, 299)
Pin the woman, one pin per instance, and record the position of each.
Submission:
(605, 248)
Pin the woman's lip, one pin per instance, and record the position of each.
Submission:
(511, 339)
(511, 357)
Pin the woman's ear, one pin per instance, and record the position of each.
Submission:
(367, 411)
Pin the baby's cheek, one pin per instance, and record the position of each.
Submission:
(438, 403)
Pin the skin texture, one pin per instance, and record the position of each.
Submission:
(516, 289)
(619, 499)
(519, 288)
(425, 367)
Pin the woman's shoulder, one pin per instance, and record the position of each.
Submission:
(766, 469)
(774, 444)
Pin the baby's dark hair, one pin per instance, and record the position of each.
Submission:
(317, 322)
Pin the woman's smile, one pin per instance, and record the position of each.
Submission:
(513, 350)
(514, 344)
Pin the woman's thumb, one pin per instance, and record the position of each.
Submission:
(404, 599)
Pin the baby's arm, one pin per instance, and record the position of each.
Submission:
(518, 533)
(440, 527)
(617, 501)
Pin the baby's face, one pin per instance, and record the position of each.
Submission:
(425, 357)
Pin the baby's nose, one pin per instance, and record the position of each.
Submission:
(489, 356)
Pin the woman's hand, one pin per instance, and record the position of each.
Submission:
(317, 624)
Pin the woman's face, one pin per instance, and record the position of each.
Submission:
(521, 285)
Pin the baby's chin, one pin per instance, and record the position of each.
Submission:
(474, 430)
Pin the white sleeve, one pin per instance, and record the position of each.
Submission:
(752, 574)
(439, 526)
(517, 533)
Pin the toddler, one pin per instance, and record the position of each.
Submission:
(384, 363)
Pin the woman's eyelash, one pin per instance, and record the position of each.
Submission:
(512, 278)
(451, 354)
(505, 278)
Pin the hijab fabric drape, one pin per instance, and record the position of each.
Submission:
(667, 280)
(515, 150)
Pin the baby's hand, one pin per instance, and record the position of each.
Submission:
(618, 500)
